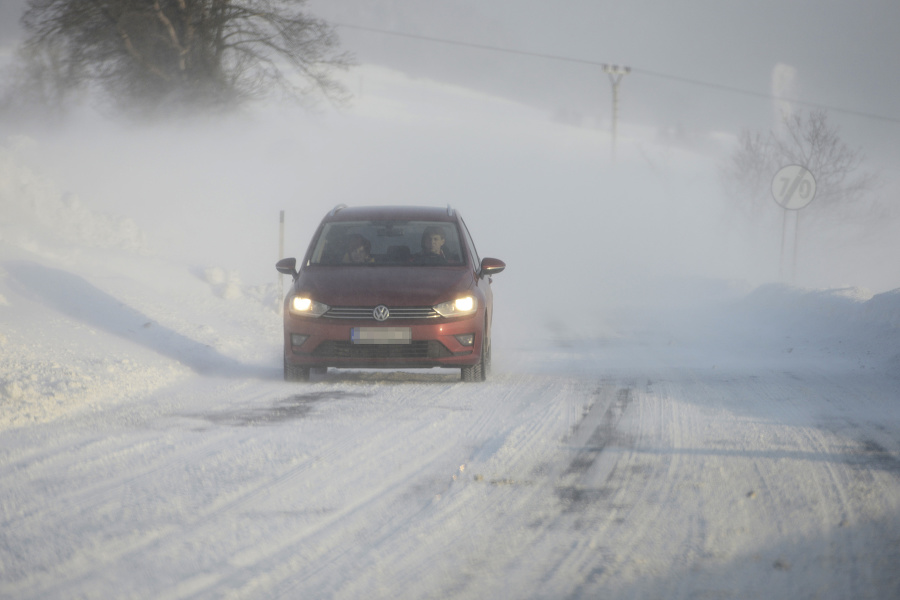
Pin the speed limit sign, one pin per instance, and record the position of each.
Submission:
(794, 187)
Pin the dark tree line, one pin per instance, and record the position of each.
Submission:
(158, 53)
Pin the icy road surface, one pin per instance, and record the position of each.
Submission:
(565, 476)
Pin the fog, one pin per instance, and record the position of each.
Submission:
(691, 59)
(521, 146)
(746, 447)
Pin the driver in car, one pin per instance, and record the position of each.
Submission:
(433, 240)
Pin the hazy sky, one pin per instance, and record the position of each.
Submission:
(446, 152)
(10, 12)
(843, 52)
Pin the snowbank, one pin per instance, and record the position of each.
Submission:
(39, 217)
(89, 316)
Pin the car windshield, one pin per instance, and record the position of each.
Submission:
(397, 243)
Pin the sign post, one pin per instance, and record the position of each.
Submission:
(280, 296)
(793, 188)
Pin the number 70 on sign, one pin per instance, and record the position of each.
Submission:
(793, 187)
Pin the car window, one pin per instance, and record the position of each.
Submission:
(395, 243)
(471, 244)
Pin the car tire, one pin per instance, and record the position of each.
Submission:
(480, 371)
(471, 373)
(295, 373)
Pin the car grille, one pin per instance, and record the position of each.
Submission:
(365, 312)
(418, 349)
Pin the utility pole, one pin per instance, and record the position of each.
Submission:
(615, 73)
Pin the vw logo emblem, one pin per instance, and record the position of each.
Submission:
(381, 312)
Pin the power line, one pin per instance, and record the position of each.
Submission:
(735, 90)
(583, 61)
(470, 45)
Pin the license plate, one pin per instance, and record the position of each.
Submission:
(381, 335)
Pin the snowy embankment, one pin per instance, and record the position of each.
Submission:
(91, 316)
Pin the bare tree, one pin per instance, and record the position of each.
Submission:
(807, 141)
(38, 79)
(152, 53)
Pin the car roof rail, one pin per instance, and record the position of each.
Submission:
(450, 210)
(335, 210)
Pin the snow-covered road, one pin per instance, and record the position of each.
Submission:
(558, 478)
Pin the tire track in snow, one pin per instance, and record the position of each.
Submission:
(395, 529)
(151, 460)
(487, 535)
(254, 562)
(190, 452)
(663, 487)
(480, 508)
(82, 501)
(648, 488)
(592, 491)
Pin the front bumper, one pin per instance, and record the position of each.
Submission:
(432, 344)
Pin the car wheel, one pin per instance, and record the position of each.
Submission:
(486, 362)
(295, 373)
(479, 372)
(472, 373)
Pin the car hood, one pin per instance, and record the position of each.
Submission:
(391, 286)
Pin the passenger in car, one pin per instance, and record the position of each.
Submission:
(358, 250)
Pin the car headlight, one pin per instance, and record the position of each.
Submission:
(305, 306)
(457, 308)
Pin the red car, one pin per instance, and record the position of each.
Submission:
(389, 287)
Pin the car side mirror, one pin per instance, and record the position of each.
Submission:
(288, 266)
(491, 266)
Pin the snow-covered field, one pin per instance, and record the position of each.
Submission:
(661, 422)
